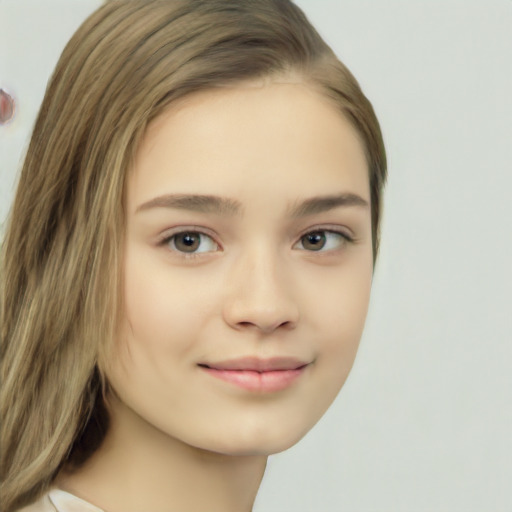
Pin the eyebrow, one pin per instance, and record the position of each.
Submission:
(224, 206)
(195, 202)
(325, 203)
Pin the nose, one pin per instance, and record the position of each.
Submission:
(260, 295)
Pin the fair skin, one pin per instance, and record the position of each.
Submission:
(277, 277)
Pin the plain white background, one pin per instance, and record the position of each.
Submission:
(424, 422)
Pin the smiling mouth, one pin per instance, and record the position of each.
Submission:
(258, 375)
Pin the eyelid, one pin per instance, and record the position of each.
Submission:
(164, 238)
(344, 232)
(186, 229)
(332, 228)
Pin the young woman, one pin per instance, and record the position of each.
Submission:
(188, 262)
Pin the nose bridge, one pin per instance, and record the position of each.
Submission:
(260, 291)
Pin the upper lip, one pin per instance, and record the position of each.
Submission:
(256, 364)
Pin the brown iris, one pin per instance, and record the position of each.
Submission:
(314, 241)
(187, 242)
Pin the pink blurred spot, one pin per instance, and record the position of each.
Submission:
(6, 107)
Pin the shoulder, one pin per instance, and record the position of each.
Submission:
(43, 504)
(57, 500)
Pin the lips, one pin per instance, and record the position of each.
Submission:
(258, 375)
(258, 365)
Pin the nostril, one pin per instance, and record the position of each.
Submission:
(263, 312)
(264, 326)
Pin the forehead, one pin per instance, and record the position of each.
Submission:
(258, 137)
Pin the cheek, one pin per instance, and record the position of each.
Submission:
(342, 297)
(341, 308)
(162, 308)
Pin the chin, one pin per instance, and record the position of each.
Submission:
(250, 442)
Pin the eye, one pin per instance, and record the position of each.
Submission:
(191, 242)
(322, 240)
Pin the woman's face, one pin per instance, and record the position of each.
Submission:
(248, 268)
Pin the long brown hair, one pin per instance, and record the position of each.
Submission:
(61, 257)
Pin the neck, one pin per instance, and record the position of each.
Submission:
(138, 467)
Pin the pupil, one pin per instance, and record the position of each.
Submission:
(188, 242)
(315, 241)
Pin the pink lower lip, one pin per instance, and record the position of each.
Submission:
(267, 381)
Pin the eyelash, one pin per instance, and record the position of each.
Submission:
(187, 255)
(346, 238)
(199, 231)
